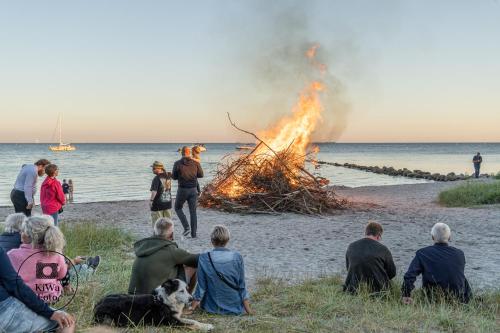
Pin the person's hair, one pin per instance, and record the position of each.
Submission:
(51, 169)
(186, 151)
(162, 225)
(43, 233)
(70, 181)
(64, 180)
(373, 229)
(220, 235)
(14, 222)
(43, 162)
(441, 233)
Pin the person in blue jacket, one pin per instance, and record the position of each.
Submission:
(21, 311)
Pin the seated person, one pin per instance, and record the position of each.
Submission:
(442, 268)
(20, 308)
(369, 262)
(221, 285)
(158, 259)
(40, 263)
(11, 238)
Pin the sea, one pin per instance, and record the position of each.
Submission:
(114, 172)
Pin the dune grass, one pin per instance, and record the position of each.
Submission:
(497, 176)
(314, 306)
(471, 194)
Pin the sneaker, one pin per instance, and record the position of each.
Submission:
(186, 233)
(94, 262)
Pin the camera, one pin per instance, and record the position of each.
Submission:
(46, 270)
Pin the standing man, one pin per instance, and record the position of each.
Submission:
(22, 195)
(477, 160)
(369, 262)
(161, 198)
(187, 171)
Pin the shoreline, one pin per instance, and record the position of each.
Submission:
(296, 247)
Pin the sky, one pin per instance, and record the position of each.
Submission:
(170, 71)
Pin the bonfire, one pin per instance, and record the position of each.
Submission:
(273, 178)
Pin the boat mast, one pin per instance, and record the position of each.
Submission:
(60, 129)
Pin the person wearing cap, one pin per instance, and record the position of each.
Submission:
(22, 195)
(161, 198)
(187, 171)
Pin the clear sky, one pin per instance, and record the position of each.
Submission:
(168, 71)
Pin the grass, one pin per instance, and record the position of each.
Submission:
(471, 194)
(314, 306)
(497, 176)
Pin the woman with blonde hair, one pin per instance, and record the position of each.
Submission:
(39, 261)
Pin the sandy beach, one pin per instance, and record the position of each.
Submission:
(294, 247)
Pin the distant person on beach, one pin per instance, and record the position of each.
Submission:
(23, 193)
(369, 262)
(196, 155)
(477, 160)
(71, 188)
(65, 187)
(161, 197)
(442, 268)
(11, 237)
(221, 285)
(20, 308)
(52, 197)
(187, 171)
(158, 258)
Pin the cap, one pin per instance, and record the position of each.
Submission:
(158, 164)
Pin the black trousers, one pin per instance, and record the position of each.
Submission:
(191, 196)
(19, 201)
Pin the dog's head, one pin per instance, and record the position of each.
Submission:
(173, 292)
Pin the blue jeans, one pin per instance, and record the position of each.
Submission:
(476, 170)
(191, 196)
(55, 216)
(15, 317)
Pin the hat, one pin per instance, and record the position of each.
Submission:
(158, 164)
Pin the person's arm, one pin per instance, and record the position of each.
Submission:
(410, 276)
(201, 286)
(199, 171)
(29, 186)
(16, 287)
(155, 186)
(182, 257)
(63, 267)
(242, 285)
(389, 265)
(347, 258)
(175, 172)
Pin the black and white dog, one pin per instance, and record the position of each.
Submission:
(163, 307)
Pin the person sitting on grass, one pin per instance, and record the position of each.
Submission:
(442, 268)
(11, 237)
(158, 258)
(20, 308)
(369, 262)
(221, 285)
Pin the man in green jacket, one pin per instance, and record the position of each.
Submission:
(158, 259)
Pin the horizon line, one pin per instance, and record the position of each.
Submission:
(241, 142)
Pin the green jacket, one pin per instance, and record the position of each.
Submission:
(157, 260)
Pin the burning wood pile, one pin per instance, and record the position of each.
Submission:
(272, 178)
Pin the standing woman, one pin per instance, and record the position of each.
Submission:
(52, 197)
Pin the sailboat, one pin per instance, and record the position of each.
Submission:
(62, 146)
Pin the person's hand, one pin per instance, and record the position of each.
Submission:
(150, 203)
(195, 304)
(250, 312)
(29, 206)
(407, 300)
(63, 319)
(78, 260)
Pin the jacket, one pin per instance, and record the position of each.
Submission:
(51, 196)
(157, 260)
(10, 240)
(186, 171)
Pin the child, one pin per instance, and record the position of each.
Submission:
(65, 187)
(70, 189)
(51, 193)
(195, 155)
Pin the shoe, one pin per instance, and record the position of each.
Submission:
(186, 233)
(94, 262)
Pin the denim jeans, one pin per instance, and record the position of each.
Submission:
(15, 317)
(191, 196)
(476, 170)
(55, 216)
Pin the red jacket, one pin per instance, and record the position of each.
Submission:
(51, 196)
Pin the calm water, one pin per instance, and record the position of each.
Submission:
(110, 172)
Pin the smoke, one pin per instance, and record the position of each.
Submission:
(275, 53)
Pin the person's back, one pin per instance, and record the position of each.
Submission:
(368, 262)
(10, 240)
(187, 171)
(157, 260)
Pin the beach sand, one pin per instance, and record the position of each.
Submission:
(295, 247)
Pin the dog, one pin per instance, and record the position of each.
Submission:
(161, 308)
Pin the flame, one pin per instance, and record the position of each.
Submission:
(292, 132)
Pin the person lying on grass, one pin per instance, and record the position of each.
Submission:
(369, 262)
(21, 311)
(11, 237)
(158, 259)
(442, 268)
(221, 285)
